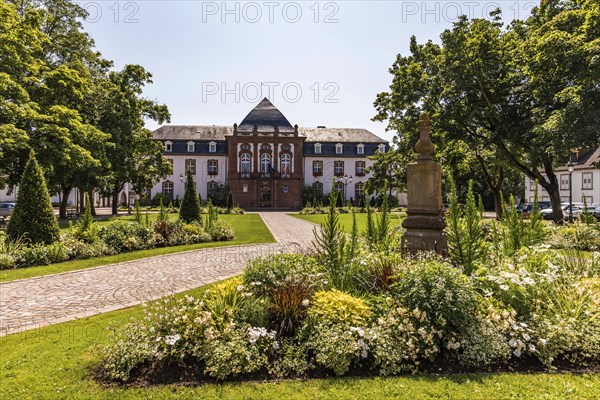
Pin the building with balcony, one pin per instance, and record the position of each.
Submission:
(266, 161)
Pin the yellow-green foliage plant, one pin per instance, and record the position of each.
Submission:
(335, 307)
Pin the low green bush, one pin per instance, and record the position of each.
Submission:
(401, 339)
(126, 236)
(335, 307)
(439, 289)
(266, 274)
(220, 231)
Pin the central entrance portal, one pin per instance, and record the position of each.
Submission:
(265, 196)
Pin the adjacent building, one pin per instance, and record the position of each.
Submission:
(266, 161)
(585, 176)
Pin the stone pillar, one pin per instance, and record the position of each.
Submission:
(424, 223)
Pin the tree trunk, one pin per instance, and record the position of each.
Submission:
(93, 207)
(82, 204)
(115, 203)
(557, 212)
(494, 184)
(62, 210)
(498, 206)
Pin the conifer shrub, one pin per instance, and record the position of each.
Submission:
(190, 206)
(33, 215)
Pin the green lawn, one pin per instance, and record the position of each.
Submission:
(346, 220)
(248, 229)
(52, 363)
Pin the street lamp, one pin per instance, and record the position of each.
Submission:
(570, 167)
(181, 177)
(345, 180)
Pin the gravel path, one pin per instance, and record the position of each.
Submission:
(46, 300)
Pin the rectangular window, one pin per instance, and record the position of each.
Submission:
(285, 188)
(564, 182)
(245, 188)
(211, 186)
(360, 168)
(587, 181)
(339, 149)
(167, 188)
(213, 167)
(190, 165)
(317, 148)
(360, 149)
(168, 147)
(317, 168)
(212, 147)
(318, 188)
(191, 147)
(381, 148)
(338, 168)
(358, 191)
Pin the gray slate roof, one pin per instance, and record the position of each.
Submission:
(212, 132)
(340, 135)
(265, 116)
(192, 132)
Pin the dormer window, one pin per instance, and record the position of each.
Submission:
(191, 147)
(317, 148)
(212, 147)
(339, 148)
(360, 149)
(168, 146)
(381, 148)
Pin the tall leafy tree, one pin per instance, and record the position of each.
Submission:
(388, 171)
(513, 93)
(135, 156)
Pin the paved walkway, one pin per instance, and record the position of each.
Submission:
(46, 300)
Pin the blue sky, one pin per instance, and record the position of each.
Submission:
(321, 63)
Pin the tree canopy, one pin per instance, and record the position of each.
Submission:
(518, 97)
(60, 99)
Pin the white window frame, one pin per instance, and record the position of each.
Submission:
(191, 147)
(212, 147)
(168, 146)
(190, 165)
(286, 159)
(381, 148)
(587, 176)
(245, 158)
(339, 148)
(360, 149)
(318, 148)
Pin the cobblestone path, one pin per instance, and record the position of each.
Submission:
(46, 300)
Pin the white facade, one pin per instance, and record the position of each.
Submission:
(586, 183)
(329, 177)
(202, 175)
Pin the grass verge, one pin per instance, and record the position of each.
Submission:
(248, 229)
(53, 363)
(346, 220)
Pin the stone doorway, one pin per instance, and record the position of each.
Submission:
(265, 196)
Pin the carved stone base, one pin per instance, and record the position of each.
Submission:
(417, 240)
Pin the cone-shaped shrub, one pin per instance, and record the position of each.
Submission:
(190, 206)
(33, 215)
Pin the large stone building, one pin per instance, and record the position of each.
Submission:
(266, 161)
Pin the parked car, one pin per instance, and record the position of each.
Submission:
(577, 210)
(6, 209)
(596, 212)
(525, 208)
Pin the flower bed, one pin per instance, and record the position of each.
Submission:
(355, 306)
(87, 240)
